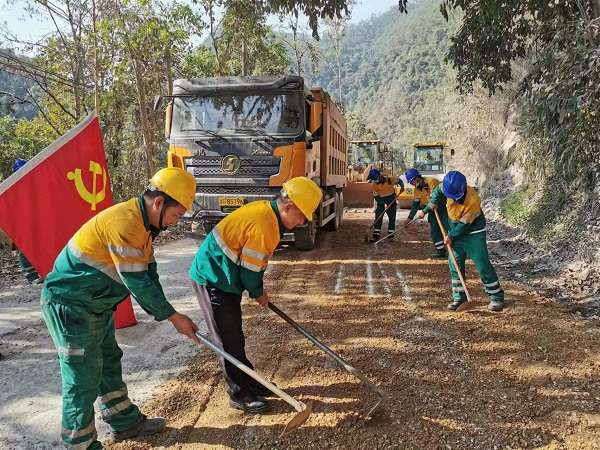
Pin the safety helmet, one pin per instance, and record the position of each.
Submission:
(304, 193)
(177, 184)
(454, 185)
(411, 174)
(18, 164)
(373, 175)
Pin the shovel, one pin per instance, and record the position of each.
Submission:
(304, 410)
(469, 304)
(391, 234)
(367, 232)
(335, 357)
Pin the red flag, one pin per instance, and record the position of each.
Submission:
(47, 200)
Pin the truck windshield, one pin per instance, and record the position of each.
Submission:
(364, 152)
(228, 113)
(429, 159)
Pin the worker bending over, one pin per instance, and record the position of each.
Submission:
(233, 259)
(110, 257)
(384, 193)
(467, 236)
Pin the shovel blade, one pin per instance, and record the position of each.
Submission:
(298, 420)
(467, 306)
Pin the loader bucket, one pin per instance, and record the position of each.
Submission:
(358, 194)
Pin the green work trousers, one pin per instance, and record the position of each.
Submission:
(474, 246)
(434, 229)
(28, 271)
(90, 365)
(391, 213)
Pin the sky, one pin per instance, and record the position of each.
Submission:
(33, 29)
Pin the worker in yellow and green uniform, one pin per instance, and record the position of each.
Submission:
(384, 193)
(110, 257)
(233, 259)
(466, 236)
(27, 268)
(424, 186)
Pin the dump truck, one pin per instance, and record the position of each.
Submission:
(427, 158)
(363, 155)
(243, 137)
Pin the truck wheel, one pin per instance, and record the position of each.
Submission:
(304, 237)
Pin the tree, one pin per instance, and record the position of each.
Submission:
(335, 29)
(300, 45)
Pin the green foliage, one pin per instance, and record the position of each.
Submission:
(392, 70)
(561, 108)
(549, 211)
(357, 128)
(495, 33)
(21, 138)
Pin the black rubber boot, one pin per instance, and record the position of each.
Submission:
(145, 428)
(250, 404)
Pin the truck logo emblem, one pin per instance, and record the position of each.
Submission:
(260, 153)
(94, 197)
(231, 164)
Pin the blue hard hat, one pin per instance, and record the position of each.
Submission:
(373, 175)
(454, 184)
(18, 164)
(411, 174)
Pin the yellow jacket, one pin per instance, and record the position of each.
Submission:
(235, 254)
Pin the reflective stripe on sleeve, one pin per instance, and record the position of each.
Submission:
(132, 267)
(125, 251)
(221, 243)
(253, 267)
(254, 254)
(478, 231)
(106, 270)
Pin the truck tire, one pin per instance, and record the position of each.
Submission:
(304, 237)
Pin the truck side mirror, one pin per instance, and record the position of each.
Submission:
(157, 102)
(318, 134)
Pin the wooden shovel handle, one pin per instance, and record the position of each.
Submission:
(386, 208)
(462, 280)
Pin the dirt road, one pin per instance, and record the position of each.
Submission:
(523, 378)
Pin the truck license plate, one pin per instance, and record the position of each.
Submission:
(231, 201)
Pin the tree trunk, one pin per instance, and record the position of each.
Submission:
(244, 57)
(147, 131)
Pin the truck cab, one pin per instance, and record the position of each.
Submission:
(243, 137)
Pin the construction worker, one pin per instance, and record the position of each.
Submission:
(110, 257)
(233, 259)
(423, 189)
(467, 237)
(384, 194)
(27, 269)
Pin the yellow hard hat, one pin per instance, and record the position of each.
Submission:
(304, 193)
(177, 184)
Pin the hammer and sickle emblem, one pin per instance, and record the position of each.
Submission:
(231, 164)
(93, 198)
